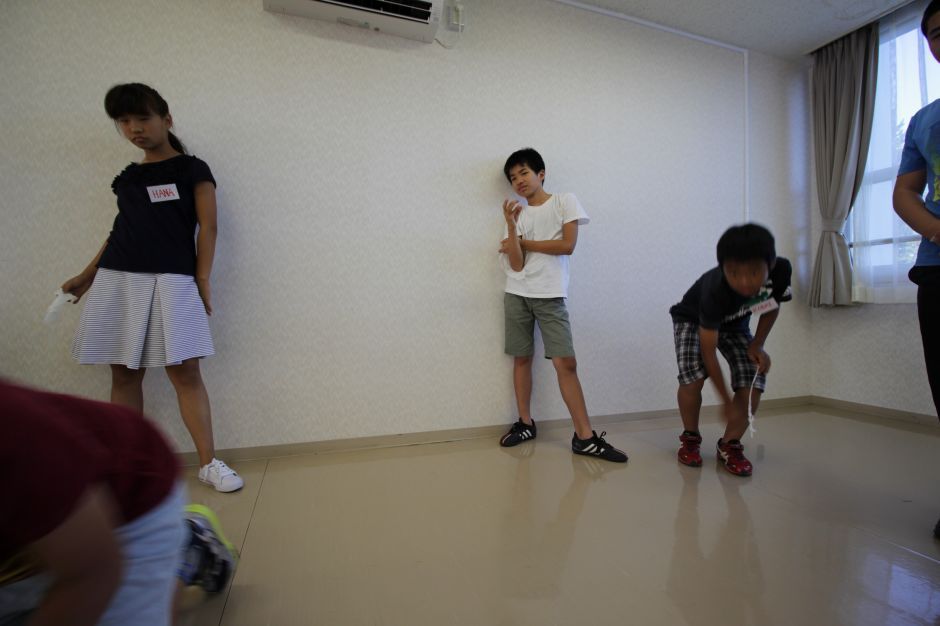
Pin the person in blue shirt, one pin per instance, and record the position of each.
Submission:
(920, 169)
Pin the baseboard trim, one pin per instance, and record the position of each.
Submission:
(867, 409)
(772, 405)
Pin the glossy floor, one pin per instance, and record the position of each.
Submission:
(833, 528)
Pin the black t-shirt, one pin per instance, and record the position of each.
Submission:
(156, 221)
(713, 304)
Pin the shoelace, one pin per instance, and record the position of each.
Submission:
(224, 470)
(600, 441)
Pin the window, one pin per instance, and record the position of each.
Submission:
(883, 248)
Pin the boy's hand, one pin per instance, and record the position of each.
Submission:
(504, 246)
(756, 354)
(511, 210)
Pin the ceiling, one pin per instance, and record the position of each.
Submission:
(783, 28)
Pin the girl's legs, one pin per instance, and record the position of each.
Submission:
(127, 387)
(194, 406)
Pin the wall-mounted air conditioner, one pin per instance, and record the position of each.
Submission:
(414, 19)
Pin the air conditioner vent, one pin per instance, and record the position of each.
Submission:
(414, 19)
(417, 10)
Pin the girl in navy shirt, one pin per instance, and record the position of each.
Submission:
(148, 287)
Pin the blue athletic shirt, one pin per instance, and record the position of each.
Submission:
(922, 152)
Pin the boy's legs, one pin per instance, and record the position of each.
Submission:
(691, 378)
(692, 374)
(738, 427)
(566, 369)
(552, 316)
(928, 312)
(522, 385)
(519, 327)
(733, 346)
(519, 344)
(689, 397)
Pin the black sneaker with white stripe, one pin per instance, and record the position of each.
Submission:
(519, 432)
(596, 446)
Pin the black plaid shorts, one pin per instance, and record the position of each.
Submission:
(732, 345)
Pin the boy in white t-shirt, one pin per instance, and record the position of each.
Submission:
(539, 239)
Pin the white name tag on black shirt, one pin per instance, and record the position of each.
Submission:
(163, 193)
(765, 307)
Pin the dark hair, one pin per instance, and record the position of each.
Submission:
(747, 242)
(139, 99)
(932, 8)
(526, 156)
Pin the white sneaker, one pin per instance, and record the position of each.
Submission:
(220, 476)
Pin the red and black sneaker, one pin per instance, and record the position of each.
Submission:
(731, 453)
(689, 448)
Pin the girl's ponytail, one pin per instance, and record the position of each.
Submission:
(176, 143)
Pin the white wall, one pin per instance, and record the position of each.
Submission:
(781, 199)
(356, 287)
(871, 354)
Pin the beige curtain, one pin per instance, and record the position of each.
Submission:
(843, 88)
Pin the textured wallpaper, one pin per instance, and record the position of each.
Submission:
(356, 289)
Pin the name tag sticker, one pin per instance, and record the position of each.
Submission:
(765, 307)
(163, 193)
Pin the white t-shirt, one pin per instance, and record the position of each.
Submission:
(544, 275)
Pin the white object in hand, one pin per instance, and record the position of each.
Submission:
(750, 405)
(52, 313)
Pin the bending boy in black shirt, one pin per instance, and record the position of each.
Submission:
(713, 316)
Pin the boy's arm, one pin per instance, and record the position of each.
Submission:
(755, 350)
(511, 246)
(563, 246)
(909, 204)
(84, 559)
(708, 340)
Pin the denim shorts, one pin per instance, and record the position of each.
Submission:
(151, 549)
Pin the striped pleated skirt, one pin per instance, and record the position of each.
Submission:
(142, 320)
